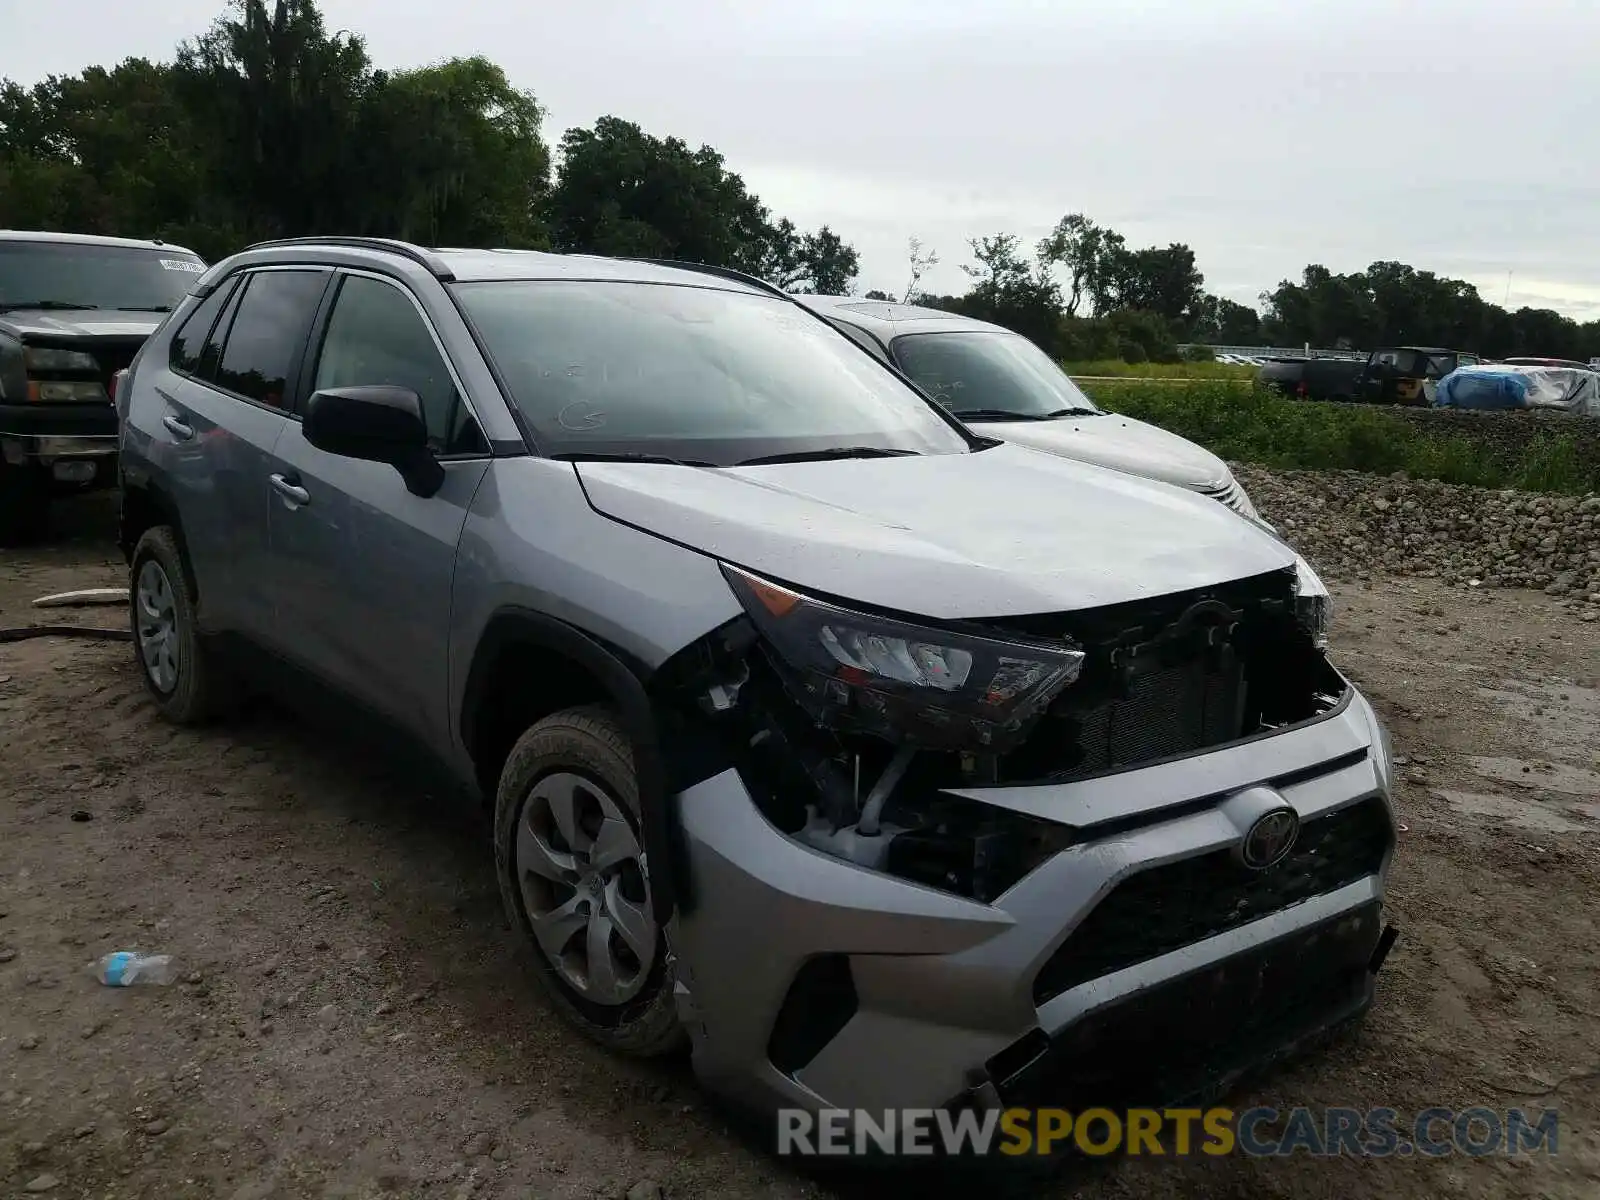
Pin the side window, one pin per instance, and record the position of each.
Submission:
(270, 322)
(211, 352)
(376, 337)
(187, 343)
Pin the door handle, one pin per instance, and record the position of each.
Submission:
(178, 429)
(290, 490)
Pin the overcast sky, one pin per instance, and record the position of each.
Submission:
(1455, 135)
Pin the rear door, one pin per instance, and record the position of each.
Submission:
(238, 360)
(371, 564)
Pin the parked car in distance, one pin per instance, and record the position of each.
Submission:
(1393, 375)
(74, 309)
(1516, 386)
(1001, 385)
(1572, 363)
(883, 764)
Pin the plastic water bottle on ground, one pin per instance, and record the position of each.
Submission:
(126, 968)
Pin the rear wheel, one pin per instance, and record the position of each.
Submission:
(574, 878)
(188, 685)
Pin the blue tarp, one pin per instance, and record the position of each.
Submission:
(1479, 387)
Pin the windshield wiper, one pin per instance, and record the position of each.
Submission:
(994, 414)
(629, 456)
(46, 305)
(1006, 414)
(143, 308)
(821, 455)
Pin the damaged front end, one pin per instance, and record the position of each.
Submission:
(852, 729)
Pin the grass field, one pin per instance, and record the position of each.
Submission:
(1258, 426)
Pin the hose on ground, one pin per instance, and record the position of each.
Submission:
(23, 633)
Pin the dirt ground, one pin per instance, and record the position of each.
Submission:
(355, 1018)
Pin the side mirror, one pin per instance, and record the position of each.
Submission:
(376, 424)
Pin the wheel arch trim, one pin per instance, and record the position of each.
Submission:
(623, 679)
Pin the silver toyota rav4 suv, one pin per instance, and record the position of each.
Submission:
(880, 763)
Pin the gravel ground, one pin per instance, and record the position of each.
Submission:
(1352, 525)
(355, 1020)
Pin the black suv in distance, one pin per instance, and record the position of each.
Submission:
(74, 310)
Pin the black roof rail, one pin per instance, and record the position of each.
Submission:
(722, 272)
(424, 258)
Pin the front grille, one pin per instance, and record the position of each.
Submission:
(1190, 1038)
(1175, 709)
(1165, 908)
(1172, 676)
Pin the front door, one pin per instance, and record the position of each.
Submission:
(368, 567)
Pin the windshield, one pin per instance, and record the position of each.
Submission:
(691, 373)
(989, 373)
(70, 275)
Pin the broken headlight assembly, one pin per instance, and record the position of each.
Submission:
(1313, 606)
(933, 688)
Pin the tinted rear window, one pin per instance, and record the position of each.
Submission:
(191, 339)
(267, 334)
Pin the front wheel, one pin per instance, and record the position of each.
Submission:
(574, 878)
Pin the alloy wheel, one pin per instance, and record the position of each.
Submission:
(157, 621)
(581, 871)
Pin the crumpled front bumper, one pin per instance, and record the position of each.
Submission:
(906, 997)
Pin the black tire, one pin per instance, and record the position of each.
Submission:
(588, 742)
(24, 504)
(203, 690)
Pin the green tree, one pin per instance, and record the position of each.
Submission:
(622, 191)
(1012, 292)
(625, 192)
(1158, 280)
(475, 170)
(1086, 250)
(278, 101)
(269, 126)
(1224, 322)
(820, 263)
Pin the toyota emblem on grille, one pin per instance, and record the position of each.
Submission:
(1270, 839)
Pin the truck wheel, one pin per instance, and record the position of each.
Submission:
(24, 505)
(570, 857)
(189, 686)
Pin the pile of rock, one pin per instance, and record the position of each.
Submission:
(1353, 525)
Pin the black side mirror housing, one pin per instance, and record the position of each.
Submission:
(376, 424)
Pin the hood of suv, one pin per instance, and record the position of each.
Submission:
(1002, 532)
(89, 323)
(1118, 442)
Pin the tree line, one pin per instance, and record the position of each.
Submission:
(266, 125)
(1086, 294)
